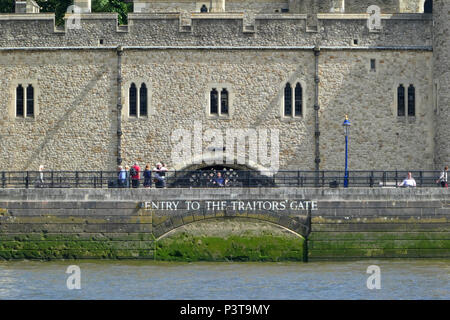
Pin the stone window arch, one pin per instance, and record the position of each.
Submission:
(224, 101)
(143, 100)
(411, 101)
(137, 97)
(133, 100)
(287, 100)
(214, 101)
(219, 100)
(20, 101)
(30, 101)
(293, 100)
(401, 101)
(24, 98)
(298, 103)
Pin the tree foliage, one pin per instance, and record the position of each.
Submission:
(6, 6)
(118, 6)
(59, 7)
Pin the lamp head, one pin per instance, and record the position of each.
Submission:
(346, 122)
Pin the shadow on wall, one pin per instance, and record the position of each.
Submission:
(63, 121)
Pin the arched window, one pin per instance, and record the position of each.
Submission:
(19, 101)
(401, 101)
(224, 101)
(298, 100)
(30, 101)
(411, 101)
(143, 100)
(428, 6)
(133, 100)
(288, 100)
(214, 108)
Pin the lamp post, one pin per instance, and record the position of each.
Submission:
(346, 126)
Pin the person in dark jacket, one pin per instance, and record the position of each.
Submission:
(147, 177)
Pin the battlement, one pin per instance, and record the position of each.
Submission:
(238, 29)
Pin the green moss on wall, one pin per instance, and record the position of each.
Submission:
(186, 247)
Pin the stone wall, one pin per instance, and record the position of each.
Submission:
(256, 79)
(74, 125)
(378, 137)
(222, 29)
(441, 73)
(76, 79)
(348, 223)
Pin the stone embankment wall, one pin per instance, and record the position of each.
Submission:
(350, 223)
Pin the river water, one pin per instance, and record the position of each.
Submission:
(400, 279)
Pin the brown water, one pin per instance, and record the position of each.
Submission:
(400, 279)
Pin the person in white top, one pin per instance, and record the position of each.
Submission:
(443, 178)
(41, 173)
(408, 182)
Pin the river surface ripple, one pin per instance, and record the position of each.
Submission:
(400, 279)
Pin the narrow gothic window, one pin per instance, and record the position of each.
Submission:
(143, 100)
(19, 101)
(30, 101)
(401, 101)
(298, 100)
(411, 101)
(224, 101)
(214, 108)
(133, 100)
(372, 64)
(288, 100)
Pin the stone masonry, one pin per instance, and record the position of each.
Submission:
(252, 52)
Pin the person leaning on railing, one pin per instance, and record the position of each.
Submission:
(408, 182)
(147, 176)
(122, 177)
(159, 173)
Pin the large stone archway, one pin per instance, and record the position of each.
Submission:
(203, 169)
(298, 225)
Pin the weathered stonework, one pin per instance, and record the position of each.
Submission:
(75, 75)
(441, 75)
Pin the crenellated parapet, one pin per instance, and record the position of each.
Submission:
(242, 29)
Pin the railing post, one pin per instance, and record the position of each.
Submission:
(371, 179)
(27, 180)
(52, 184)
(396, 178)
(298, 178)
(323, 179)
(77, 179)
(101, 179)
(421, 178)
(3, 179)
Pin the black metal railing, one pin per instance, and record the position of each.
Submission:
(210, 178)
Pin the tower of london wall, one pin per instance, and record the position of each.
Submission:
(75, 75)
(441, 72)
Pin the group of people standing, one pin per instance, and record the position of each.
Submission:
(133, 174)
